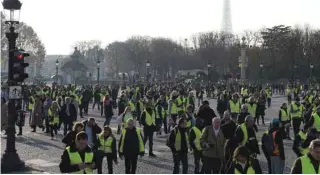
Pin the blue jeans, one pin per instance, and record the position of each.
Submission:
(107, 122)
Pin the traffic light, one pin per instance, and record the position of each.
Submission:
(18, 66)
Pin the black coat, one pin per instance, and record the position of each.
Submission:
(73, 113)
(207, 114)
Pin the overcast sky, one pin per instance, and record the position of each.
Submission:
(60, 23)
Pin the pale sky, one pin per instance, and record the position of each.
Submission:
(60, 23)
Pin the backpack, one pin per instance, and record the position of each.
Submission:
(267, 142)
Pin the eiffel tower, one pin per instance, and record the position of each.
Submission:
(226, 26)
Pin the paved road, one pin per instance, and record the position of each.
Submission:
(42, 153)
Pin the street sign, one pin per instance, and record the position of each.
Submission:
(15, 92)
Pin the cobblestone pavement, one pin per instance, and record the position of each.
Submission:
(42, 153)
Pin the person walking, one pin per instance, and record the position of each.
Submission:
(212, 141)
(106, 148)
(130, 146)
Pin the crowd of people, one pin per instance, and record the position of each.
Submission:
(225, 142)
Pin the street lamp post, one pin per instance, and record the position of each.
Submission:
(148, 64)
(243, 60)
(98, 72)
(209, 66)
(10, 160)
(310, 75)
(57, 69)
(261, 74)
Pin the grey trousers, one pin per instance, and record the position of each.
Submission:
(277, 165)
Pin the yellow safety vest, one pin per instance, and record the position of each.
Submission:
(316, 123)
(188, 101)
(163, 113)
(245, 92)
(252, 108)
(234, 107)
(55, 117)
(307, 167)
(296, 108)
(310, 98)
(284, 115)
(197, 132)
(105, 144)
(75, 159)
(288, 91)
(245, 133)
(179, 104)
(125, 119)
(250, 170)
(174, 108)
(268, 92)
(303, 137)
(177, 143)
(140, 105)
(79, 98)
(123, 136)
(30, 106)
(132, 106)
(150, 119)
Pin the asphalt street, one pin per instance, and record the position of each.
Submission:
(43, 154)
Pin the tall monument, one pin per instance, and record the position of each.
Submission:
(226, 26)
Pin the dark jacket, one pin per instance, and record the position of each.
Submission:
(108, 109)
(121, 106)
(241, 117)
(229, 147)
(69, 138)
(95, 130)
(73, 113)
(207, 114)
(66, 167)
(86, 96)
(131, 143)
(113, 147)
(297, 166)
(252, 145)
(254, 163)
(228, 128)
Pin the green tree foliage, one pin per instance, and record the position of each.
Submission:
(27, 40)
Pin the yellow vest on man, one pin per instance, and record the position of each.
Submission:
(297, 111)
(316, 121)
(234, 107)
(123, 136)
(150, 119)
(75, 159)
(197, 132)
(303, 137)
(307, 167)
(252, 108)
(284, 115)
(177, 143)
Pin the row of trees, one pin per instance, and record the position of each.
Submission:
(27, 40)
(285, 52)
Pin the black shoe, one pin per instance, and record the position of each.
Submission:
(33, 130)
(152, 155)
(19, 134)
